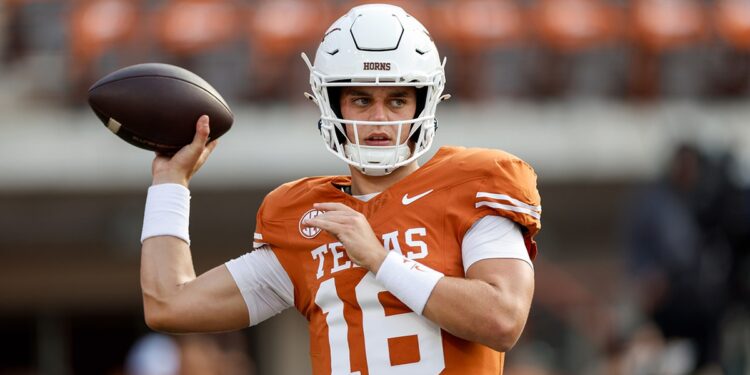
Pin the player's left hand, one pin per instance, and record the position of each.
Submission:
(353, 230)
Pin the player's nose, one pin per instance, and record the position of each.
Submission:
(378, 112)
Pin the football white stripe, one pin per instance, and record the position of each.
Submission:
(508, 208)
(258, 244)
(510, 199)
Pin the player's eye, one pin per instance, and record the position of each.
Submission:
(398, 103)
(361, 101)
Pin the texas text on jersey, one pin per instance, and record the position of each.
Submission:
(355, 325)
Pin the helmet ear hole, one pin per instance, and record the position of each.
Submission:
(341, 137)
(421, 101)
(415, 137)
(334, 98)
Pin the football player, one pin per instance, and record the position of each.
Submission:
(398, 268)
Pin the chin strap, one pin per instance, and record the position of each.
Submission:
(378, 155)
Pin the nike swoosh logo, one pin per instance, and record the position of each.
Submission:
(406, 200)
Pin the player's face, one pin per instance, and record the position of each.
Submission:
(378, 104)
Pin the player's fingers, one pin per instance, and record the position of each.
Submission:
(326, 225)
(207, 151)
(202, 130)
(332, 206)
(203, 157)
(333, 217)
(212, 145)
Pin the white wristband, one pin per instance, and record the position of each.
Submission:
(167, 212)
(407, 280)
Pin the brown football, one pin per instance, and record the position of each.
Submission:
(155, 106)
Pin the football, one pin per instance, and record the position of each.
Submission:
(155, 106)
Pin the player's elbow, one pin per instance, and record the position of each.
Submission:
(504, 333)
(160, 316)
(156, 316)
(505, 325)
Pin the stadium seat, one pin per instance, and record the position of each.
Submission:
(96, 28)
(278, 31)
(578, 39)
(731, 19)
(204, 37)
(189, 27)
(569, 26)
(662, 25)
(473, 30)
(662, 28)
(732, 22)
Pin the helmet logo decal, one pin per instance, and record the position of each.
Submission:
(309, 232)
(377, 66)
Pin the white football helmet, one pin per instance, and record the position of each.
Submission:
(377, 45)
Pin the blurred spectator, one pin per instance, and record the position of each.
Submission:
(679, 255)
(159, 354)
(153, 354)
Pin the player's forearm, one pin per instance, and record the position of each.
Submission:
(478, 311)
(166, 266)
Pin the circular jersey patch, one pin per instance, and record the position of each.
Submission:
(309, 232)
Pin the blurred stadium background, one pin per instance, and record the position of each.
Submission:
(634, 114)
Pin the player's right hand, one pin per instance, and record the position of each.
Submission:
(181, 167)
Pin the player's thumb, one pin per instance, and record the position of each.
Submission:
(202, 130)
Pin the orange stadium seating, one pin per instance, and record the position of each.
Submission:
(471, 29)
(277, 31)
(569, 26)
(544, 46)
(97, 27)
(661, 27)
(570, 31)
(732, 21)
(188, 27)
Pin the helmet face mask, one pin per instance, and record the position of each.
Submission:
(376, 45)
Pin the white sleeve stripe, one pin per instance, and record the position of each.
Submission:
(508, 208)
(508, 198)
(258, 244)
(258, 236)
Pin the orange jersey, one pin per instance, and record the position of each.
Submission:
(355, 325)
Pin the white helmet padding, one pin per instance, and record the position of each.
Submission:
(377, 45)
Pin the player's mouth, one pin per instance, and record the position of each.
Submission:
(378, 139)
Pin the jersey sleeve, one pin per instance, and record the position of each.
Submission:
(258, 241)
(509, 190)
(493, 237)
(269, 230)
(265, 286)
(271, 234)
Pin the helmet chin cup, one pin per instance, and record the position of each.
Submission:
(376, 160)
(376, 45)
